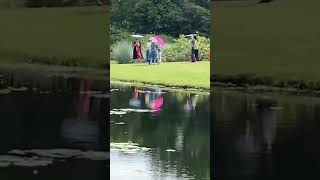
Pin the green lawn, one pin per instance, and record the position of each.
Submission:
(67, 36)
(175, 74)
(280, 39)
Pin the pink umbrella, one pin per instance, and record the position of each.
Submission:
(160, 41)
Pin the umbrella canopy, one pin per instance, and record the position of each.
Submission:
(190, 35)
(136, 36)
(159, 41)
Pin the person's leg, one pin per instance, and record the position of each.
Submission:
(192, 55)
(197, 54)
(160, 55)
(147, 57)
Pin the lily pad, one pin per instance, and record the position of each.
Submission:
(128, 147)
(18, 89)
(171, 150)
(5, 91)
(127, 110)
(120, 123)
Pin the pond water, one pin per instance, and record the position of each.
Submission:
(158, 134)
(270, 137)
(53, 128)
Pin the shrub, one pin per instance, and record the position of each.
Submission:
(122, 52)
(181, 49)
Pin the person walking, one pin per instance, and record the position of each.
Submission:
(160, 54)
(194, 50)
(154, 52)
(148, 51)
(137, 52)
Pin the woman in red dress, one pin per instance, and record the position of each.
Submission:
(137, 52)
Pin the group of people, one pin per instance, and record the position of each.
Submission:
(153, 52)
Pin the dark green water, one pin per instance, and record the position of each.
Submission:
(268, 137)
(177, 134)
(53, 128)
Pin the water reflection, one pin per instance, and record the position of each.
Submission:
(148, 97)
(59, 120)
(81, 129)
(179, 144)
(265, 137)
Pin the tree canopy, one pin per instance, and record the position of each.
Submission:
(172, 17)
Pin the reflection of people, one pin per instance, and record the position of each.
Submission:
(154, 99)
(137, 52)
(135, 102)
(260, 133)
(82, 128)
(191, 103)
(84, 99)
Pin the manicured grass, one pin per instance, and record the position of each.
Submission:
(74, 36)
(279, 40)
(175, 74)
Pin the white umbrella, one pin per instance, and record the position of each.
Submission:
(136, 36)
(189, 35)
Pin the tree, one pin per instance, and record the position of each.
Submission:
(172, 17)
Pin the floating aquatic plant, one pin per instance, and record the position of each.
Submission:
(128, 147)
(125, 111)
(44, 157)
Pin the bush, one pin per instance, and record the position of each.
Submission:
(122, 52)
(181, 49)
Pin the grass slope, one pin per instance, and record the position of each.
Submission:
(184, 74)
(67, 36)
(280, 39)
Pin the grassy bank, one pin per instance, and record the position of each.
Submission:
(183, 75)
(274, 44)
(71, 36)
(53, 70)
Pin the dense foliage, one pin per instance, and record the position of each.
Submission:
(180, 50)
(171, 17)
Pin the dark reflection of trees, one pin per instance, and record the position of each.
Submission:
(253, 139)
(172, 128)
(243, 135)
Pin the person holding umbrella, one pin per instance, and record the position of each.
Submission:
(160, 43)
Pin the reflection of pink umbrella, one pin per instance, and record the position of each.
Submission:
(157, 103)
(160, 41)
